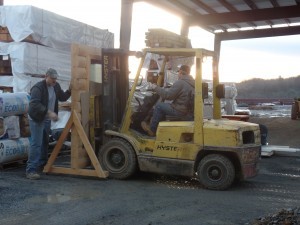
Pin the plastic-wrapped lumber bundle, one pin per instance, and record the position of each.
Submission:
(163, 38)
(32, 24)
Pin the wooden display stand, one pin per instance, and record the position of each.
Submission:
(74, 124)
(82, 153)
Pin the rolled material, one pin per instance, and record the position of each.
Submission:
(14, 103)
(14, 150)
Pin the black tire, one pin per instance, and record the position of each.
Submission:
(118, 158)
(294, 112)
(216, 172)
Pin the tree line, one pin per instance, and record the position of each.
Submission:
(274, 88)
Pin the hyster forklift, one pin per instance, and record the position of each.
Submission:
(217, 151)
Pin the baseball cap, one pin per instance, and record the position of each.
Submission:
(52, 73)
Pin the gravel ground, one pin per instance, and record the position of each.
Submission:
(147, 199)
(158, 200)
(281, 130)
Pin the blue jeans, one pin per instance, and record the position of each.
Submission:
(160, 111)
(38, 152)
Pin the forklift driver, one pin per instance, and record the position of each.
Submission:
(178, 94)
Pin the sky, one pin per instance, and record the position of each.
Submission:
(266, 58)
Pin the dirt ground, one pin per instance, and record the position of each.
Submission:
(149, 199)
(281, 130)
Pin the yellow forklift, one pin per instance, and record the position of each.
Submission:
(217, 151)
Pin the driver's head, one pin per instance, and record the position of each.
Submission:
(184, 70)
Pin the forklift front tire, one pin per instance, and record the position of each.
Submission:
(118, 158)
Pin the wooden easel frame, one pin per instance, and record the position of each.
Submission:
(74, 123)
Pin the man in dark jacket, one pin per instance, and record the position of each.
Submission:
(43, 107)
(179, 93)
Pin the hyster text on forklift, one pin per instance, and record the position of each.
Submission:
(217, 151)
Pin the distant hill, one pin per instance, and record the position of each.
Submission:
(275, 88)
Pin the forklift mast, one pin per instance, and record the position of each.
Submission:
(115, 87)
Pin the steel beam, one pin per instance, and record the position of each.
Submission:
(126, 19)
(272, 32)
(247, 16)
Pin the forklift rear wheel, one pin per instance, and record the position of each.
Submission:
(118, 158)
(216, 172)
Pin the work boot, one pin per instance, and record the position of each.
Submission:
(33, 176)
(147, 129)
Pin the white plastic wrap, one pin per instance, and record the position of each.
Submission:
(13, 103)
(230, 91)
(12, 126)
(13, 150)
(6, 81)
(230, 96)
(51, 29)
(63, 117)
(30, 61)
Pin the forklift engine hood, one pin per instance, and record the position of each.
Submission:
(225, 132)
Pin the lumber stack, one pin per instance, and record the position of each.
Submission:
(82, 153)
(33, 39)
(163, 38)
(6, 37)
(81, 62)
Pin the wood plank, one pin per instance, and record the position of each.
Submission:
(59, 144)
(76, 146)
(81, 63)
(81, 73)
(85, 100)
(88, 147)
(71, 171)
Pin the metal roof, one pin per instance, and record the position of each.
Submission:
(237, 19)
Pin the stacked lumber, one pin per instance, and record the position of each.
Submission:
(33, 39)
(5, 65)
(81, 59)
(32, 24)
(163, 38)
(82, 154)
(6, 37)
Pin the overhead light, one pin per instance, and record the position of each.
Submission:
(232, 29)
(280, 25)
(246, 28)
(294, 24)
(218, 31)
(263, 27)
